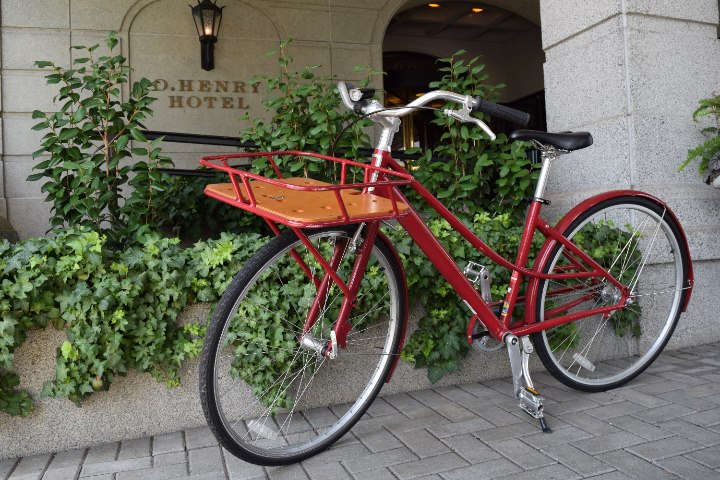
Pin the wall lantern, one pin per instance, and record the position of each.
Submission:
(207, 16)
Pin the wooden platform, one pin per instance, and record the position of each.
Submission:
(310, 206)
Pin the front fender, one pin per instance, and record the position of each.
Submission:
(405, 307)
(571, 216)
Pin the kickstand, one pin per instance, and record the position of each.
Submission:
(529, 400)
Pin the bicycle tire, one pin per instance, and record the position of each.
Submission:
(286, 421)
(637, 241)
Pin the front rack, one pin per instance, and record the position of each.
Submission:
(305, 202)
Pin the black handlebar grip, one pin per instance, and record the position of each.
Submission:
(499, 111)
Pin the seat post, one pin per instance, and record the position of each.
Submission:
(547, 153)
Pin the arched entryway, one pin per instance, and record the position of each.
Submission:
(508, 41)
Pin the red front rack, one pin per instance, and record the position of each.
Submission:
(305, 202)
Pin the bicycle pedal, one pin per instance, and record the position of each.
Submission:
(531, 402)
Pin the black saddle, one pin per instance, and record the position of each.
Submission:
(565, 140)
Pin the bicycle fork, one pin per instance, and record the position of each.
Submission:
(519, 350)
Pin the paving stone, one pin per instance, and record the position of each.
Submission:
(608, 442)
(203, 460)
(458, 428)
(328, 471)
(696, 403)
(102, 453)
(30, 467)
(557, 437)
(424, 418)
(240, 470)
(577, 460)
(380, 408)
(686, 468)
(554, 471)
(207, 476)
(403, 402)
(116, 466)
(614, 476)
(454, 412)
(496, 415)
(320, 417)
(168, 442)
(429, 397)
(661, 387)
(454, 393)
(704, 419)
(640, 428)
(169, 459)
(661, 414)
(379, 460)
(710, 457)
(634, 466)
(521, 453)
(377, 439)
(377, 474)
(158, 473)
(667, 447)
(134, 448)
(692, 432)
(688, 380)
(354, 450)
(703, 390)
(64, 465)
(615, 410)
(589, 424)
(199, 437)
(576, 405)
(437, 464)
(483, 392)
(641, 398)
(6, 466)
(287, 472)
(422, 443)
(471, 449)
(488, 470)
(494, 435)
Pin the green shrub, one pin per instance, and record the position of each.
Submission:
(710, 149)
(119, 309)
(88, 143)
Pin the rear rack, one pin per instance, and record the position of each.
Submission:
(305, 202)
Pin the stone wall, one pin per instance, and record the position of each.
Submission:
(631, 72)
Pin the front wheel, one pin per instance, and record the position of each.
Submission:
(265, 380)
(637, 241)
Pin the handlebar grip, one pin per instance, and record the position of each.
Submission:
(499, 111)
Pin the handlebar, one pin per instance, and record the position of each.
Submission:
(469, 104)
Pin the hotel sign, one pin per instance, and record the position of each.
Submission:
(220, 94)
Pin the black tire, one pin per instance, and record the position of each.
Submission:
(637, 241)
(263, 394)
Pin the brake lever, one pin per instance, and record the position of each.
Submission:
(464, 116)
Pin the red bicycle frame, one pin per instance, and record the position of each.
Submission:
(583, 266)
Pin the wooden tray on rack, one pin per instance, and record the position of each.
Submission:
(312, 207)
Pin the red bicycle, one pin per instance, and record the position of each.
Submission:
(318, 315)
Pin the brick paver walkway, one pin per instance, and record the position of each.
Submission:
(665, 424)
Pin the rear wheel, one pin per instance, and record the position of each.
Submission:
(265, 382)
(639, 243)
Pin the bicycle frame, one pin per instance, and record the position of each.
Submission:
(498, 327)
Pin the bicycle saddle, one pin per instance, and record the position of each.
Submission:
(565, 140)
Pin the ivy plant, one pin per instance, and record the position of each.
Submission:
(86, 152)
(119, 309)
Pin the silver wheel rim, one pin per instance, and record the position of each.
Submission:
(673, 290)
